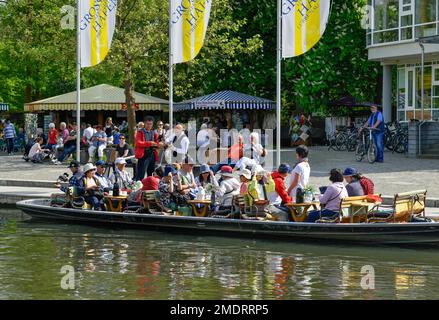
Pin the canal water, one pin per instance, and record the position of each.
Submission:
(103, 263)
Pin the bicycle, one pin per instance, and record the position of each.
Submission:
(366, 147)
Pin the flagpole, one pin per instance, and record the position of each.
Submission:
(78, 83)
(278, 81)
(171, 72)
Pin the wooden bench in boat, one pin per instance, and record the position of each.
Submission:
(405, 206)
(356, 209)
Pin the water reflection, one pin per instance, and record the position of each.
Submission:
(121, 264)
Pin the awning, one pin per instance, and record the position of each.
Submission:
(91, 107)
(98, 98)
(4, 107)
(225, 100)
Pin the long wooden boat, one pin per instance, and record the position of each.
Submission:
(365, 233)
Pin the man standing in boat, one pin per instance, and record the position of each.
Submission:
(147, 142)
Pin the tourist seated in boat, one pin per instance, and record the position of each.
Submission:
(170, 197)
(228, 187)
(260, 187)
(279, 197)
(245, 177)
(76, 178)
(186, 179)
(331, 199)
(93, 191)
(206, 177)
(122, 175)
(148, 184)
(353, 185)
(100, 175)
(301, 172)
(245, 163)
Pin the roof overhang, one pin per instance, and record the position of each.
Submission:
(401, 53)
(92, 107)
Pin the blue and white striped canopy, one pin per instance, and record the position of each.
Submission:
(4, 107)
(227, 100)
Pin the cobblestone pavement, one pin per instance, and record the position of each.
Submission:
(397, 174)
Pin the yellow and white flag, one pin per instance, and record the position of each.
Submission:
(189, 21)
(303, 24)
(98, 20)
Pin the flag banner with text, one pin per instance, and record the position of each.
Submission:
(189, 20)
(98, 20)
(303, 25)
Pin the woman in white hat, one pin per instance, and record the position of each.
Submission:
(245, 176)
(93, 192)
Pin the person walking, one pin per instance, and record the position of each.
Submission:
(376, 123)
(147, 141)
(9, 134)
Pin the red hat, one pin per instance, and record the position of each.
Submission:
(227, 171)
(150, 183)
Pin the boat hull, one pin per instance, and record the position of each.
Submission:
(383, 233)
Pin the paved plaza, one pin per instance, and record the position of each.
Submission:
(397, 174)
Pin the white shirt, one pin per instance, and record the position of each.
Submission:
(303, 170)
(121, 175)
(203, 138)
(184, 144)
(88, 133)
(228, 189)
(246, 162)
(36, 148)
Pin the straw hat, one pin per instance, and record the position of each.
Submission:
(246, 173)
(88, 167)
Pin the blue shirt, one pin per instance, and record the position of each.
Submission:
(101, 134)
(374, 118)
(75, 181)
(116, 137)
(9, 131)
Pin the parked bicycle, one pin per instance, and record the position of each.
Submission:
(366, 147)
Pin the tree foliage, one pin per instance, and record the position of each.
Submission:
(37, 57)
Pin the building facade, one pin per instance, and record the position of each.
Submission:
(396, 30)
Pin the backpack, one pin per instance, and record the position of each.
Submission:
(367, 185)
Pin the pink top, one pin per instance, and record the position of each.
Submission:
(333, 195)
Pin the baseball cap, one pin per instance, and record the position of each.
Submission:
(100, 163)
(168, 170)
(120, 161)
(284, 168)
(74, 164)
(348, 172)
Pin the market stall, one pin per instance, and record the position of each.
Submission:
(229, 108)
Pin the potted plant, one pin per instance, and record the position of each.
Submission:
(308, 193)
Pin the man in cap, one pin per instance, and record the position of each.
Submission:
(121, 174)
(353, 187)
(376, 123)
(76, 178)
(100, 175)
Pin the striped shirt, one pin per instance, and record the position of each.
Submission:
(9, 131)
